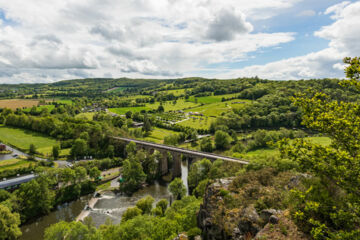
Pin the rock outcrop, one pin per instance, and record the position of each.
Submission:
(223, 216)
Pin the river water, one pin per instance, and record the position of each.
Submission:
(109, 206)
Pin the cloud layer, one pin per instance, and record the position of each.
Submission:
(343, 35)
(44, 41)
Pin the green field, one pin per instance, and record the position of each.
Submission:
(49, 107)
(324, 141)
(116, 90)
(197, 122)
(87, 115)
(22, 139)
(158, 135)
(211, 99)
(11, 164)
(168, 106)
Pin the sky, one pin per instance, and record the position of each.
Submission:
(52, 40)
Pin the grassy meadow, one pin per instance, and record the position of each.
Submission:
(21, 139)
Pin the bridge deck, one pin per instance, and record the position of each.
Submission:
(183, 150)
(16, 181)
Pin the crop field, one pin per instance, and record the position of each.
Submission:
(18, 103)
(22, 139)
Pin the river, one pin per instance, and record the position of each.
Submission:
(109, 206)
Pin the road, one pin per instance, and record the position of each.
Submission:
(183, 150)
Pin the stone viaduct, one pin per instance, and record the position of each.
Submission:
(176, 153)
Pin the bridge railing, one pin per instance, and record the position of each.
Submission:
(215, 156)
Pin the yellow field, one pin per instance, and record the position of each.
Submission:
(18, 103)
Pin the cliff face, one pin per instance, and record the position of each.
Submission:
(234, 210)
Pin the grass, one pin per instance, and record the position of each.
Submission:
(122, 111)
(168, 106)
(103, 186)
(87, 115)
(22, 139)
(324, 141)
(212, 99)
(158, 135)
(197, 122)
(116, 90)
(14, 164)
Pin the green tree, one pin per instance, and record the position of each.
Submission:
(32, 149)
(145, 204)
(133, 176)
(327, 206)
(71, 231)
(206, 145)
(128, 114)
(55, 151)
(147, 126)
(35, 198)
(222, 140)
(177, 188)
(160, 109)
(130, 148)
(9, 224)
(162, 205)
(79, 148)
(95, 173)
(130, 213)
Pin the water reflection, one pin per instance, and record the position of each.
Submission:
(65, 212)
(110, 206)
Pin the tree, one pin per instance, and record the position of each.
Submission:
(32, 149)
(162, 205)
(206, 145)
(9, 224)
(222, 140)
(128, 114)
(147, 125)
(80, 174)
(130, 148)
(35, 198)
(133, 176)
(71, 231)
(145, 204)
(177, 188)
(79, 148)
(327, 205)
(160, 109)
(130, 213)
(95, 173)
(55, 151)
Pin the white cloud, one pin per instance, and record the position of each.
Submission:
(60, 39)
(307, 13)
(343, 35)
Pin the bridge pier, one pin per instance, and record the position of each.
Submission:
(176, 169)
(164, 167)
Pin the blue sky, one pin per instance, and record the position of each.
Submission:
(274, 39)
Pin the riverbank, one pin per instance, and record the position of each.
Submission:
(84, 213)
